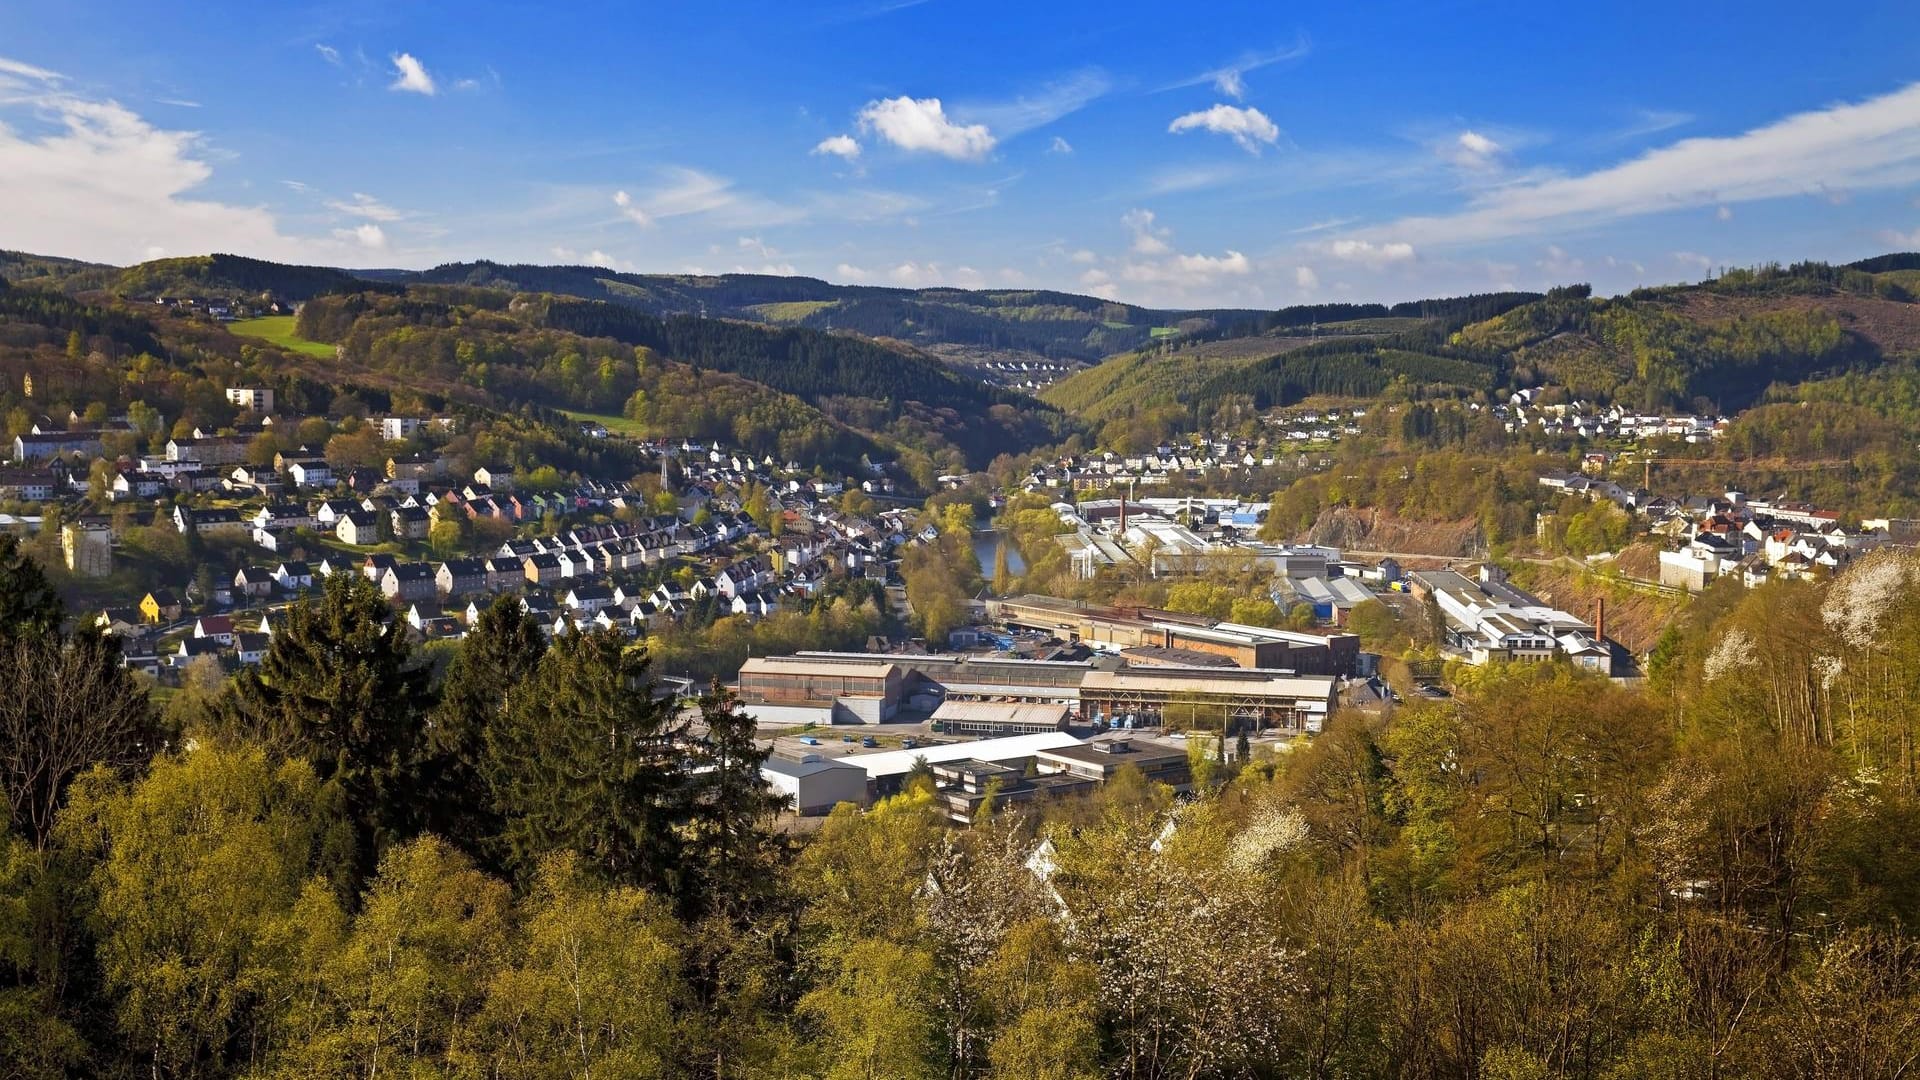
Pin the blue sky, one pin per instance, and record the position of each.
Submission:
(1255, 154)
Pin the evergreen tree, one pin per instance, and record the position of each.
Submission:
(340, 688)
(28, 604)
(499, 653)
(585, 759)
(734, 847)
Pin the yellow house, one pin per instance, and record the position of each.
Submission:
(160, 606)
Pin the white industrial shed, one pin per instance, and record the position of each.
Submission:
(816, 784)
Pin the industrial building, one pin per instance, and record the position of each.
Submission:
(1099, 759)
(888, 769)
(993, 719)
(1208, 698)
(1488, 619)
(852, 688)
(1117, 629)
(816, 784)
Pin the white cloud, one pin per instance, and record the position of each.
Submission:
(1369, 252)
(1901, 240)
(1148, 239)
(921, 125)
(1557, 264)
(29, 72)
(1724, 213)
(369, 236)
(412, 76)
(850, 272)
(1039, 108)
(328, 53)
(295, 185)
(1059, 146)
(1249, 127)
(1472, 150)
(363, 205)
(1083, 256)
(629, 211)
(104, 184)
(844, 146)
(1230, 79)
(1304, 277)
(1871, 144)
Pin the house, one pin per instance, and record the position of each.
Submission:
(256, 478)
(459, 577)
(193, 648)
(254, 581)
(39, 447)
(283, 516)
(500, 479)
(293, 576)
(136, 485)
(422, 612)
(212, 522)
(328, 513)
(505, 572)
(359, 528)
(588, 599)
(28, 485)
(251, 648)
(408, 582)
(160, 605)
(753, 605)
(412, 467)
(374, 567)
(310, 472)
(542, 568)
(409, 523)
(217, 627)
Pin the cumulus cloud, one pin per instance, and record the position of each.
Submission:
(1083, 256)
(411, 76)
(1370, 253)
(1899, 239)
(1248, 127)
(1724, 213)
(1866, 145)
(369, 236)
(629, 211)
(1148, 238)
(1472, 150)
(1304, 277)
(932, 273)
(921, 125)
(104, 184)
(842, 146)
(850, 272)
(362, 205)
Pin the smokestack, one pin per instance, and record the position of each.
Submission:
(1124, 496)
(1600, 622)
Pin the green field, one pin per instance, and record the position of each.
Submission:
(618, 425)
(278, 330)
(791, 311)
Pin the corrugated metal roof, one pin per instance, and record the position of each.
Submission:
(900, 762)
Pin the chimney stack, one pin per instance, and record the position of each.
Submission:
(1600, 623)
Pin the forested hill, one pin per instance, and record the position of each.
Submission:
(1712, 347)
(1044, 323)
(939, 420)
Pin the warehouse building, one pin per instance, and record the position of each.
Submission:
(997, 719)
(1208, 698)
(1118, 629)
(849, 688)
(814, 784)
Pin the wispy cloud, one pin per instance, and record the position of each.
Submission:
(1230, 78)
(23, 70)
(328, 53)
(1038, 108)
(1248, 127)
(1059, 146)
(363, 205)
(411, 76)
(1871, 144)
(1651, 122)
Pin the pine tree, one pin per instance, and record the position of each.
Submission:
(499, 654)
(585, 759)
(734, 845)
(28, 604)
(340, 688)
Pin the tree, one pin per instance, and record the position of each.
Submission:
(28, 604)
(585, 759)
(499, 653)
(731, 840)
(878, 1014)
(69, 706)
(592, 985)
(339, 687)
(200, 872)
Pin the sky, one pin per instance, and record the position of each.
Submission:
(1192, 155)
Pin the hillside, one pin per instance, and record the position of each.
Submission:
(231, 276)
(594, 356)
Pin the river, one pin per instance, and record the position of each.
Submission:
(984, 541)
